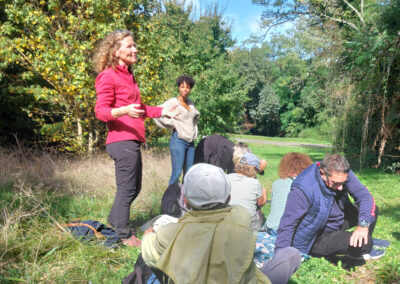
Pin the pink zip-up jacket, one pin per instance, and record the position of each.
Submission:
(117, 88)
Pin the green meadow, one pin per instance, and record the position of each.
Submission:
(385, 189)
(40, 193)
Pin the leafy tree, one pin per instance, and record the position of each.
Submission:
(288, 64)
(198, 47)
(364, 101)
(52, 42)
(255, 68)
(46, 48)
(267, 112)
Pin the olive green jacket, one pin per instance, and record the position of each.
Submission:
(209, 246)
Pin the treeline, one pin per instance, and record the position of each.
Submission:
(47, 80)
(335, 75)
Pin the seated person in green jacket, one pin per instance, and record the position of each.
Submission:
(213, 243)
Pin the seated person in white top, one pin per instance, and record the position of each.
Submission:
(246, 190)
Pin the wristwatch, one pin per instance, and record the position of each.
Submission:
(363, 223)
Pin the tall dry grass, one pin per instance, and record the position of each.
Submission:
(91, 176)
(40, 192)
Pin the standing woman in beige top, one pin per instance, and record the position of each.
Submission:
(184, 128)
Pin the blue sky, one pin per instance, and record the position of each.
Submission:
(242, 14)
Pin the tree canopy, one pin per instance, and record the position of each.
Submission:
(334, 74)
(350, 75)
(46, 49)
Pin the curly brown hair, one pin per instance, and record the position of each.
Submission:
(293, 164)
(245, 169)
(104, 55)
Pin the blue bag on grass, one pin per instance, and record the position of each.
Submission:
(88, 229)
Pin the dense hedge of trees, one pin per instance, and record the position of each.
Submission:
(47, 82)
(334, 75)
(337, 72)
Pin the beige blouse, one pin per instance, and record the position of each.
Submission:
(185, 123)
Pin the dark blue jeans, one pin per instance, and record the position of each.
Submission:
(182, 156)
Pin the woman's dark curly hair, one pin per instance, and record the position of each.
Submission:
(293, 164)
(185, 78)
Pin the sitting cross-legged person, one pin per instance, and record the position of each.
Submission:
(214, 242)
(290, 166)
(246, 190)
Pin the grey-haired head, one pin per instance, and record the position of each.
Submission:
(335, 163)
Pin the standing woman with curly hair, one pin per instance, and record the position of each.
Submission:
(120, 106)
(184, 127)
(290, 166)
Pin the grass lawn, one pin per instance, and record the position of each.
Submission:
(280, 139)
(40, 193)
(384, 187)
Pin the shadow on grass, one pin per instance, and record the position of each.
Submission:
(142, 222)
(390, 211)
(347, 263)
(396, 235)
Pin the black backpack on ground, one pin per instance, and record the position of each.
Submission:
(88, 230)
(142, 273)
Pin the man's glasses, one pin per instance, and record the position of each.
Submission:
(337, 184)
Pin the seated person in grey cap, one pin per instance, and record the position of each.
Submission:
(246, 190)
(213, 243)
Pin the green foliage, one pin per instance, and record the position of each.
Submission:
(394, 168)
(267, 112)
(52, 41)
(375, 99)
(288, 64)
(45, 62)
(198, 48)
(390, 273)
(219, 98)
(352, 75)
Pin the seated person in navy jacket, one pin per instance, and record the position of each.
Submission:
(318, 212)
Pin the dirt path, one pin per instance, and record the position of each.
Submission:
(278, 143)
